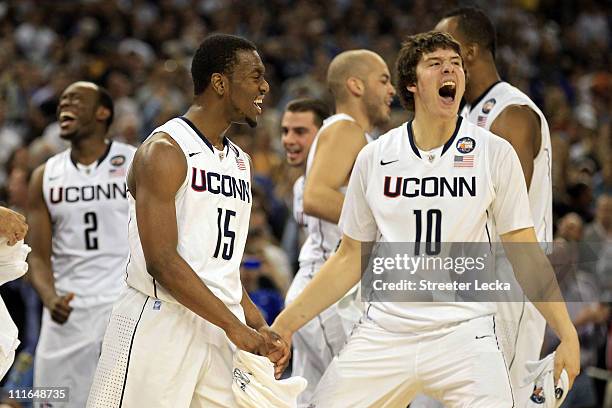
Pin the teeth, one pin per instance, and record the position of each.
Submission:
(67, 115)
(449, 83)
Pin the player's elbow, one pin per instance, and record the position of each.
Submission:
(313, 206)
(159, 267)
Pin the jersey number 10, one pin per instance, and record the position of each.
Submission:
(433, 225)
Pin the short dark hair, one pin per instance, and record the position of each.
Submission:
(105, 99)
(319, 108)
(216, 54)
(476, 26)
(411, 53)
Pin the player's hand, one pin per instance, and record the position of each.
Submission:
(248, 339)
(567, 356)
(279, 351)
(12, 226)
(285, 335)
(60, 308)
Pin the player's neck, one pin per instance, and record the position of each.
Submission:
(430, 133)
(88, 150)
(354, 111)
(209, 121)
(481, 77)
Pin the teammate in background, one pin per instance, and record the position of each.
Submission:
(507, 112)
(361, 85)
(444, 349)
(300, 123)
(79, 206)
(173, 332)
(13, 226)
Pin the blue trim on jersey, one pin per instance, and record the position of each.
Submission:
(100, 159)
(481, 97)
(447, 145)
(200, 134)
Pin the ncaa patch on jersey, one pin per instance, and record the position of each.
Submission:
(157, 305)
(488, 105)
(466, 145)
(117, 160)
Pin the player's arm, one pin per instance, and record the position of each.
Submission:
(162, 159)
(533, 271)
(13, 226)
(39, 260)
(326, 288)
(537, 278)
(520, 126)
(337, 148)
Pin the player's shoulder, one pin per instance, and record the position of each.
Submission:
(340, 129)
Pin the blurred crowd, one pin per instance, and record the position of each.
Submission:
(140, 50)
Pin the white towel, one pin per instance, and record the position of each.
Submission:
(545, 393)
(254, 385)
(12, 260)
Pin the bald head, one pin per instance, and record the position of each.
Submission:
(350, 64)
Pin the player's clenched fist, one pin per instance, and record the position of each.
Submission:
(12, 225)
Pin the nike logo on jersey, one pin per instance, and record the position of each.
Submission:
(54, 178)
(193, 154)
(384, 163)
(482, 337)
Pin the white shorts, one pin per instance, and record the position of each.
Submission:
(67, 354)
(521, 330)
(461, 366)
(161, 354)
(317, 342)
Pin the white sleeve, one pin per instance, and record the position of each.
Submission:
(510, 207)
(357, 220)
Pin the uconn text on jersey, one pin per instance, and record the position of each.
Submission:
(430, 186)
(215, 183)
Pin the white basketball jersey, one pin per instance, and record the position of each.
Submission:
(323, 236)
(298, 204)
(399, 194)
(484, 112)
(213, 207)
(89, 213)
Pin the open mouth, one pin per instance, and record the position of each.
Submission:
(447, 91)
(258, 102)
(66, 119)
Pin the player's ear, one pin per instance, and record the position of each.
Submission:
(355, 86)
(470, 52)
(411, 88)
(102, 113)
(218, 83)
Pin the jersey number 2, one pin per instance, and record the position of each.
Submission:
(224, 231)
(433, 234)
(91, 221)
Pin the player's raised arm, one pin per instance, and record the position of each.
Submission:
(158, 159)
(331, 170)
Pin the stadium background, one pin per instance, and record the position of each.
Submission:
(558, 52)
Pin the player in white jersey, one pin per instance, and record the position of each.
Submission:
(172, 334)
(435, 179)
(79, 207)
(509, 113)
(299, 124)
(361, 85)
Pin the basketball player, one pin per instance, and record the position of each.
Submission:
(13, 226)
(173, 333)
(444, 349)
(79, 206)
(361, 85)
(509, 113)
(300, 123)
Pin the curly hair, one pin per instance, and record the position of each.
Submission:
(216, 54)
(411, 53)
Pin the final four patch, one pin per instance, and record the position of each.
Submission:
(488, 105)
(466, 144)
